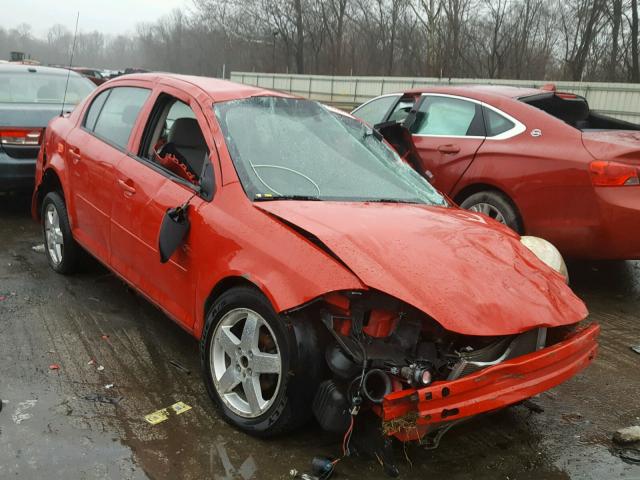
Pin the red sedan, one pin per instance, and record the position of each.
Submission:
(321, 274)
(539, 161)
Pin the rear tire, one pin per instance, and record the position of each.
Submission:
(282, 363)
(62, 251)
(495, 205)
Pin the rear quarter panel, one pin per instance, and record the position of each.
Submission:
(546, 176)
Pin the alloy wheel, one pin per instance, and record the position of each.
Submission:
(53, 234)
(245, 362)
(488, 210)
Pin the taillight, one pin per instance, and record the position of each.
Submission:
(30, 137)
(612, 174)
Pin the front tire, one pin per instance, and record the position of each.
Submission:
(62, 251)
(494, 205)
(261, 369)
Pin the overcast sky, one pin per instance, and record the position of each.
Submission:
(107, 16)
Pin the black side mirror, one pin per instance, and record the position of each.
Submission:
(175, 226)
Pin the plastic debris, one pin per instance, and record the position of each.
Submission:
(91, 362)
(105, 337)
(627, 435)
(636, 348)
(100, 368)
(38, 248)
(180, 367)
(96, 397)
(163, 414)
(108, 386)
(54, 366)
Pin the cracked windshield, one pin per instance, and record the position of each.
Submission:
(286, 148)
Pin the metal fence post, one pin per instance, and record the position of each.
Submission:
(355, 91)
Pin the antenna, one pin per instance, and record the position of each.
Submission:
(73, 49)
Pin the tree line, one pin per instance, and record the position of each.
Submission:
(590, 40)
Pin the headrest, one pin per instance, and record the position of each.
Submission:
(185, 132)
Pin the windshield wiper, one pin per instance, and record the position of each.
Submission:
(394, 200)
(261, 197)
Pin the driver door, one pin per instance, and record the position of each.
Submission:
(147, 189)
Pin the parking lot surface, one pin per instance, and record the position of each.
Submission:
(65, 417)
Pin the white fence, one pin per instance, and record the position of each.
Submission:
(620, 100)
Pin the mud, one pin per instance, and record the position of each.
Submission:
(65, 424)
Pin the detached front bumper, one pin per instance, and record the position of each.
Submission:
(408, 414)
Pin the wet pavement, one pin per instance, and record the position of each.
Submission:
(66, 424)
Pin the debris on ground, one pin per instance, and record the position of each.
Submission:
(100, 368)
(54, 366)
(163, 414)
(38, 248)
(630, 455)
(108, 386)
(627, 435)
(180, 367)
(532, 406)
(91, 362)
(96, 397)
(636, 348)
(20, 414)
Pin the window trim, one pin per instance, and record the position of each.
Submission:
(517, 129)
(389, 110)
(156, 95)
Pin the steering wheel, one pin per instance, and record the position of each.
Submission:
(278, 167)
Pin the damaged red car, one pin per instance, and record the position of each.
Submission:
(538, 160)
(321, 274)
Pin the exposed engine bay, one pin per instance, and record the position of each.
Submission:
(378, 345)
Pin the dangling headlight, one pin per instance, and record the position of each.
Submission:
(546, 252)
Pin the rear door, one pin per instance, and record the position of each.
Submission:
(93, 150)
(147, 189)
(446, 131)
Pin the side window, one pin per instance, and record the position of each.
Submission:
(174, 140)
(375, 111)
(118, 114)
(446, 116)
(401, 110)
(496, 123)
(95, 109)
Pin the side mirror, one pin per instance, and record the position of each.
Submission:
(175, 226)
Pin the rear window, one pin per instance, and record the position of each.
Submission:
(29, 87)
(495, 123)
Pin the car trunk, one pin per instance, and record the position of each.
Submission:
(619, 145)
(21, 127)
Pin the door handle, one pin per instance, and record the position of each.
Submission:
(448, 148)
(127, 186)
(74, 153)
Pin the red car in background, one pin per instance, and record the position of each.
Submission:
(311, 293)
(537, 160)
(92, 74)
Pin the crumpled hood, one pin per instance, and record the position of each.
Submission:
(618, 145)
(471, 275)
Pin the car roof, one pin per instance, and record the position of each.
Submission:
(219, 90)
(19, 67)
(482, 92)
